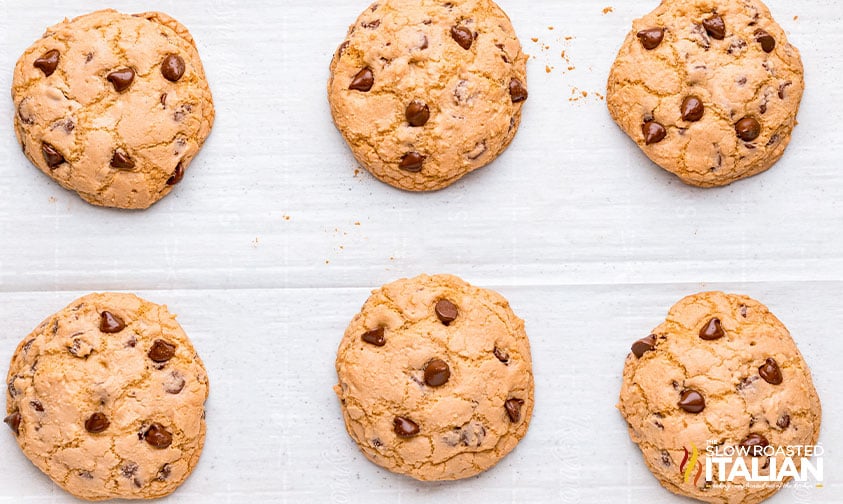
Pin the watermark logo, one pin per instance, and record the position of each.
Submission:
(686, 468)
(760, 464)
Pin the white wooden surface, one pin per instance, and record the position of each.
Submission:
(271, 244)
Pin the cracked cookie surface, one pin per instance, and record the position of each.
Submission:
(708, 89)
(107, 398)
(435, 378)
(721, 368)
(425, 91)
(113, 106)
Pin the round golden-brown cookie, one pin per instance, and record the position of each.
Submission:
(107, 398)
(426, 91)
(720, 371)
(708, 89)
(435, 378)
(113, 106)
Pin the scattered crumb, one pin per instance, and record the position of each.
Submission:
(535, 39)
(356, 172)
(796, 18)
(607, 10)
(548, 68)
(599, 96)
(356, 223)
(569, 37)
(52, 199)
(550, 28)
(286, 217)
(327, 261)
(256, 242)
(391, 258)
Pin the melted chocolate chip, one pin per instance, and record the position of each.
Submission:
(363, 81)
(412, 162)
(157, 436)
(644, 345)
(121, 79)
(513, 409)
(771, 372)
(446, 311)
(756, 444)
(174, 383)
(748, 129)
(462, 36)
(164, 472)
(121, 160)
(651, 37)
(436, 373)
(692, 109)
(97, 423)
(161, 351)
(712, 330)
(417, 113)
(13, 421)
(501, 355)
(48, 62)
(111, 323)
(375, 337)
(517, 91)
(784, 421)
(768, 43)
(404, 427)
(691, 401)
(52, 157)
(177, 176)
(715, 27)
(653, 132)
(37, 406)
(172, 68)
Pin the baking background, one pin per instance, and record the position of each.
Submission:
(273, 241)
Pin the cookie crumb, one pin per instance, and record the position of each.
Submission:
(607, 10)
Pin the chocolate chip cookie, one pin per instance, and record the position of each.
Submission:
(113, 106)
(720, 371)
(107, 398)
(708, 89)
(424, 92)
(435, 378)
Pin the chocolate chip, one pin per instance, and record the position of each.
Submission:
(692, 109)
(404, 427)
(175, 383)
(462, 36)
(412, 162)
(712, 330)
(771, 372)
(85, 474)
(52, 156)
(644, 345)
(111, 323)
(363, 81)
(666, 458)
(121, 79)
(653, 132)
(37, 406)
(121, 160)
(501, 355)
(691, 401)
(436, 373)
(651, 37)
(417, 113)
(517, 91)
(96, 423)
(756, 444)
(513, 409)
(129, 469)
(375, 337)
(715, 27)
(48, 62)
(768, 43)
(161, 351)
(177, 176)
(748, 129)
(164, 472)
(446, 311)
(13, 421)
(157, 436)
(172, 68)
(784, 421)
